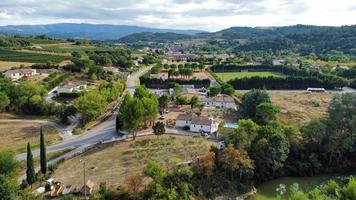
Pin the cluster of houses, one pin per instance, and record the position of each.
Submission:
(17, 74)
(181, 57)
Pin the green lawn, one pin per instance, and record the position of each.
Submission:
(232, 75)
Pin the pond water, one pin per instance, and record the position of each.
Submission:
(267, 190)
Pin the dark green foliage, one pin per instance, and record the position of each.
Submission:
(164, 84)
(30, 169)
(251, 100)
(159, 128)
(8, 163)
(118, 57)
(163, 101)
(266, 113)
(156, 69)
(353, 84)
(227, 89)
(118, 123)
(214, 90)
(280, 83)
(74, 94)
(269, 151)
(8, 188)
(43, 156)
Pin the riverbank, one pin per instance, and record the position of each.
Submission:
(268, 190)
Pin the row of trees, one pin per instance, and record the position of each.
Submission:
(169, 83)
(285, 83)
(188, 65)
(183, 73)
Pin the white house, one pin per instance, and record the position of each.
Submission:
(71, 87)
(196, 123)
(219, 102)
(111, 69)
(16, 74)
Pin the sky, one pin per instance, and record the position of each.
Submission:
(209, 15)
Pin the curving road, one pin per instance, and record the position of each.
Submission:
(102, 132)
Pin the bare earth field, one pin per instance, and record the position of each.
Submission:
(297, 108)
(15, 135)
(111, 162)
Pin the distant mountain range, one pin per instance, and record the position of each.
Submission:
(86, 31)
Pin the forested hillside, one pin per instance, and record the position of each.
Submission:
(319, 40)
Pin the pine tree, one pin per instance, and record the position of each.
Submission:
(43, 153)
(30, 172)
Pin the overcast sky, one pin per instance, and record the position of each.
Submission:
(208, 15)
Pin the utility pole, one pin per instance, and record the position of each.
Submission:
(85, 187)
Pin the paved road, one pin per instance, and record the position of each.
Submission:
(102, 132)
(133, 80)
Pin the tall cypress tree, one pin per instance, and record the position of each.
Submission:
(43, 153)
(30, 172)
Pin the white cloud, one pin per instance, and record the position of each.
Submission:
(181, 14)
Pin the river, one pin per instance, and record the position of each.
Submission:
(267, 190)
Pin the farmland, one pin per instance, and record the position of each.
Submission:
(226, 76)
(17, 56)
(110, 163)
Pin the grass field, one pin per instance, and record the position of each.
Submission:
(111, 162)
(232, 75)
(6, 65)
(16, 56)
(15, 135)
(297, 108)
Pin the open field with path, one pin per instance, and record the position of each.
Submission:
(226, 76)
(15, 134)
(111, 162)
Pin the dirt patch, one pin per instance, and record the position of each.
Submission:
(297, 108)
(15, 135)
